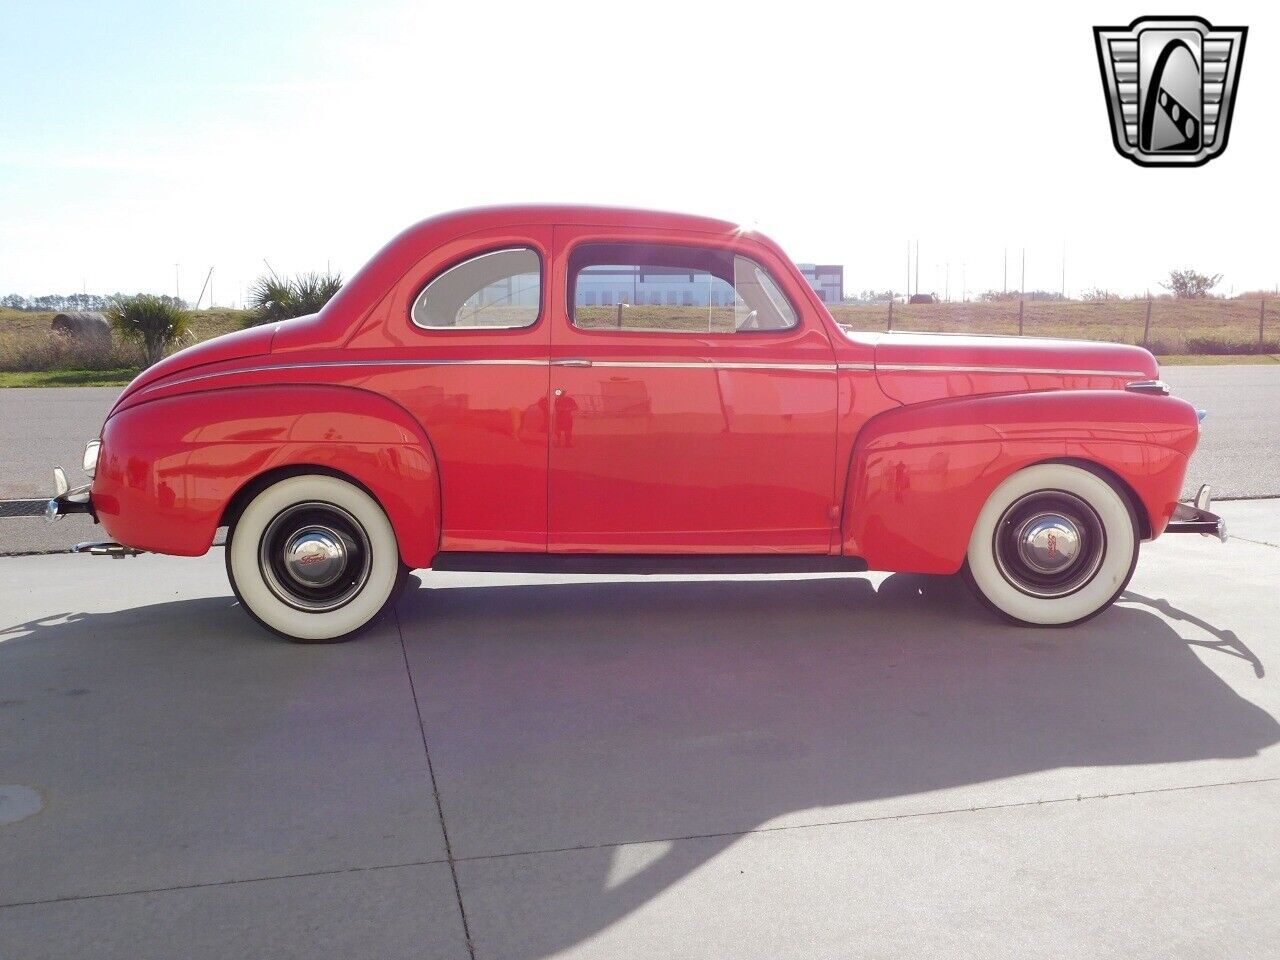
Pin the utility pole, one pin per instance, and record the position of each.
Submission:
(917, 266)
(1064, 269)
(947, 289)
(1022, 294)
(1006, 270)
(177, 292)
(964, 282)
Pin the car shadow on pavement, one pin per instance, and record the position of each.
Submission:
(596, 742)
(569, 720)
(178, 744)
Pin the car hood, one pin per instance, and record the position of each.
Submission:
(253, 342)
(916, 367)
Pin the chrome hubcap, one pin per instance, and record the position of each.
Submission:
(314, 556)
(1049, 544)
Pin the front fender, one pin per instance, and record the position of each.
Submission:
(169, 468)
(920, 474)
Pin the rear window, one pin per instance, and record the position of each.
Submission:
(501, 289)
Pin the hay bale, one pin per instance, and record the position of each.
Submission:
(82, 326)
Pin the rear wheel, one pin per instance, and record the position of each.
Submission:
(314, 559)
(1054, 545)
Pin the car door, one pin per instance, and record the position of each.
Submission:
(693, 398)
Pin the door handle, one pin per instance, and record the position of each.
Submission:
(571, 362)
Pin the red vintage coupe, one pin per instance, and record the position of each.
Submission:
(532, 388)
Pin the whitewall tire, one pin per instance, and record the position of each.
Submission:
(1054, 544)
(314, 558)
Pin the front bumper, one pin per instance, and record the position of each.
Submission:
(1195, 517)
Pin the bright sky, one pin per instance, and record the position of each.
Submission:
(139, 135)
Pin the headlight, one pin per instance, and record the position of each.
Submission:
(91, 456)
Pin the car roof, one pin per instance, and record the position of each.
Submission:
(552, 213)
(372, 281)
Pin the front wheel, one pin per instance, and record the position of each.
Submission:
(314, 559)
(1054, 545)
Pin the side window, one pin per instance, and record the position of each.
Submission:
(501, 289)
(673, 289)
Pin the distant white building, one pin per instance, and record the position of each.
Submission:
(827, 279)
(605, 286)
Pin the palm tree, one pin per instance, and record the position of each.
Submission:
(154, 323)
(273, 298)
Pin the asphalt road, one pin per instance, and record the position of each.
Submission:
(1239, 451)
(615, 768)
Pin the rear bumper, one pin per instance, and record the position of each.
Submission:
(68, 500)
(1195, 517)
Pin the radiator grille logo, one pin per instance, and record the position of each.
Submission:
(1170, 84)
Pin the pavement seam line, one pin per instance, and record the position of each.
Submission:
(1260, 543)
(220, 883)
(435, 790)
(856, 820)
(633, 843)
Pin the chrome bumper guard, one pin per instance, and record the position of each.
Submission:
(1194, 517)
(68, 500)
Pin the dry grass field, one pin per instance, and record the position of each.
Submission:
(28, 347)
(1181, 331)
(1177, 326)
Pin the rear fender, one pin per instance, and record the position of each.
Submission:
(919, 475)
(170, 468)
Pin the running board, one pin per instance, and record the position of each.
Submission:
(646, 563)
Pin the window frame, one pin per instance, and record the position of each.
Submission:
(569, 287)
(481, 328)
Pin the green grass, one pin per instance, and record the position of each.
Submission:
(67, 378)
(1216, 359)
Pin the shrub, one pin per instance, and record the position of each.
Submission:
(1189, 285)
(1159, 347)
(53, 352)
(153, 323)
(1220, 345)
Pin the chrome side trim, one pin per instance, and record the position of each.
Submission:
(324, 364)
(1042, 371)
(641, 364)
(657, 365)
(713, 365)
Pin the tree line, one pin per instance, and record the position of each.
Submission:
(74, 301)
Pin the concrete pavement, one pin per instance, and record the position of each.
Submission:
(629, 767)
